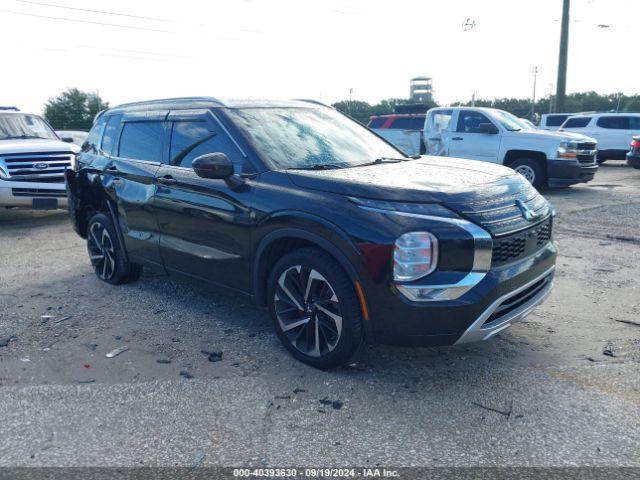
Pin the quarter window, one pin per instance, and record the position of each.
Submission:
(556, 120)
(469, 122)
(617, 122)
(634, 123)
(377, 122)
(578, 122)
(142, 141)
(110, 131)
(191, 139)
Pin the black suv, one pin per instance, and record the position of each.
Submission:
(342, 237)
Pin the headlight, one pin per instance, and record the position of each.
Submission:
(415, 255)
(568, 149)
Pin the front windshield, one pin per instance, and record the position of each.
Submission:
(15, 126)
(510, 122)
(311, 137)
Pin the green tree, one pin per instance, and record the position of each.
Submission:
(356, 109)
(73, 109)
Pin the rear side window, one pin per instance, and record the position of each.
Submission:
(617, 122)
(441, 119)
(556, 120)
(93, 139)
(110, 131)
(634, 123)
(377, 123)
(408, 123)
(190, 139)
(142, 141)
(578, 122)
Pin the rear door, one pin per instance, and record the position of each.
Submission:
(469, 142)
(204, 224)
(612, 132)
(136, 145)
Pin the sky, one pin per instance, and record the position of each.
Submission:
(130, 50)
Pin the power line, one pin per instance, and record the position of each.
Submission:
(65, 7)
(64, 19)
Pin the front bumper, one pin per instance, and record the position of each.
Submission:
(633, 160)
(505, 295)
(562, 173)
(22, 194)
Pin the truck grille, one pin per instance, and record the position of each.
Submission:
(37, 166)
(587, 152)
(38, 192)
(500, 213)
(519, 245)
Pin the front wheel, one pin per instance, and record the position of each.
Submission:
(314, 308)
(531, 170)
(107, 257)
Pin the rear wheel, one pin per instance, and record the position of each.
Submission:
(314, 308)
(107, 257)
(531, 170)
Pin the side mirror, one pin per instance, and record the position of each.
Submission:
(67, 139)
(488, 128)
(213, 165)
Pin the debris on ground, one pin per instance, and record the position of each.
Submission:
(4, 341)
(91, 346)
(629, 322)
(335, 404)
(62, 319)
(117, 351)
(163, 360)
(198, 460)
(609, 351)
(298, 390)
(88, 380)
(25, 359)
(491, 409)
(185, 374)
(213, 356)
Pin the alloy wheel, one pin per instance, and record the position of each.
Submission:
(101, 251)
(527, 172)
(308, 311)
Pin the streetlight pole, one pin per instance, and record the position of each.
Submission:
(534, 70)
(561, 85)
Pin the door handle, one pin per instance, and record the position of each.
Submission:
(167, 180)
(457, 138)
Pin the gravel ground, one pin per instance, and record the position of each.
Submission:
(542, 393)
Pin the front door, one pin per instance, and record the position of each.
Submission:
(136, 144)
(469, 142)
(204, 224)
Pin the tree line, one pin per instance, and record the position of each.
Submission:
(520, 107)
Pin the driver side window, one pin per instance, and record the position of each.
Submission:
(469, 122)
(190, 139)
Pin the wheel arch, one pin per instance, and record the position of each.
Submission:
(293, 231)
(513, 155)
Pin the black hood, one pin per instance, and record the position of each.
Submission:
(482, 192)
(429, 179)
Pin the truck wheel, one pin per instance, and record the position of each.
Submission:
(106, 254)
(314, 308)
(531, 170)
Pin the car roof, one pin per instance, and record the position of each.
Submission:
(398, 115)
(210, 102)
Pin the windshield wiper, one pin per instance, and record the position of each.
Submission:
(318, 166)
(22, 137)
(380, 160)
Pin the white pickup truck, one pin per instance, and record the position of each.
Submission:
(545, 158)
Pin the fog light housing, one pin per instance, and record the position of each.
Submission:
(415, 255)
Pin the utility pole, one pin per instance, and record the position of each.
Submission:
(350, 95)
(534, 71)
(561, 85)
(550, 97)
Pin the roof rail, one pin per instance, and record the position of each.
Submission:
(170, 100)
(14, 109)
(309, 100)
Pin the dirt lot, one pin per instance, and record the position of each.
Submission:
(542, 393)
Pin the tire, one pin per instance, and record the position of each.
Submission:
(107, 256)
(531, 170)
(312, 295)
(600, 160)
